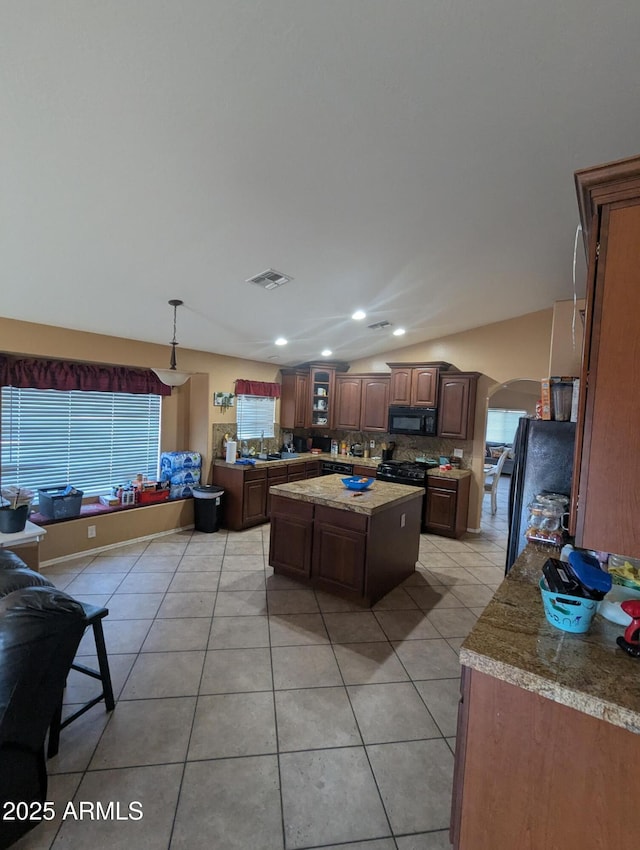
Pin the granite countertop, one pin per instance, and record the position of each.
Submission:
(449, 473)
(512, 641)
(301, 458)
(331, 492)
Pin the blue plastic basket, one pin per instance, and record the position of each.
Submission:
(569, 613)
(357, 482)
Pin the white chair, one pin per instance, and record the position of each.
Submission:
(492, 478)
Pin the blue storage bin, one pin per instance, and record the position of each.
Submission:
(569, 613)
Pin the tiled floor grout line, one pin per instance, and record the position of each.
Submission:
(269, 616)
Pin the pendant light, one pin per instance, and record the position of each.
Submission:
(171, 377)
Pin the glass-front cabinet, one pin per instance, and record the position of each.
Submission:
(322, 397)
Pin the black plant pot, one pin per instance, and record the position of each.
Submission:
(13, 519)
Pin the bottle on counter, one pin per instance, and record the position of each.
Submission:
(343, 448)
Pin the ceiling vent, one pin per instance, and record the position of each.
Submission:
(270, 279)
(378, 326)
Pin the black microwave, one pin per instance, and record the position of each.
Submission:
(420, 421)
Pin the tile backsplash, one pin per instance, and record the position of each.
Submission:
(407, 447)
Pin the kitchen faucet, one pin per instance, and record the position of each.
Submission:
(262, 443)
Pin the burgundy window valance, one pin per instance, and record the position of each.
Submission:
(263, 388)
(40, 374)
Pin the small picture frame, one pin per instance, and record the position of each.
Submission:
(223, 400)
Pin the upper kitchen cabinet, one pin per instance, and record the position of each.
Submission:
(457, 404)
(308, 396)
(294, 401)
(323, 382)
(415, 384)
(362, 402)
(605, 491)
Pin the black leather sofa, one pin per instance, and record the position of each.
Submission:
(40, 629)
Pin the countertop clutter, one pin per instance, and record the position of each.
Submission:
(512, 641)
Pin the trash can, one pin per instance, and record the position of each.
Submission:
(205, 507)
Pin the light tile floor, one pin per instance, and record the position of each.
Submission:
(255, 714)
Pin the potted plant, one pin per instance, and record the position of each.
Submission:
(14, 509)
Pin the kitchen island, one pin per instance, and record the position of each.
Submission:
(548, 742)
(359, 545)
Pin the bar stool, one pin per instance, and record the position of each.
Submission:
(93, 617)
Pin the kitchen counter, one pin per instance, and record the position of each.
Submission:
(456, 474)
(359, 546)
(513, 641)
(331, 492)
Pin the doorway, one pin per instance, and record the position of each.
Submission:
(506, 403)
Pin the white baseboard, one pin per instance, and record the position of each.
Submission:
(474, 530)
(98, 549)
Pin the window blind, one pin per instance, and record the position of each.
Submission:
(255, 414)
(502, 424)
(91, 440)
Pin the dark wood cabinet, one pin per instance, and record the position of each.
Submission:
(362, 402)
(510, 776)
(296, 472)
(348, 401)
(374, 409)
(457, 405)
(244, 502)
(358, 556)
(339, 550)
(312, 468)
(447, 505)
(294, 400)
(254, 498)
(322, 383)
(607, 464)
(275, 475)
(415, 384)
(291, 537)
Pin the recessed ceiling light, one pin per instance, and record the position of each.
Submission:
(358, 315)
(399, 332)
(326, 352)
(281, 341)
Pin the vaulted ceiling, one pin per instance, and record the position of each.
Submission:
(412, 158)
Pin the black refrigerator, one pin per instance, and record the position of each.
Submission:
(543, 462)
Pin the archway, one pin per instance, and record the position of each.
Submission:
(518, 396)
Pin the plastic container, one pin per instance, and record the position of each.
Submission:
(56, 503)
(13, 520)
(205, 507)
(356, 482)
(568, 613)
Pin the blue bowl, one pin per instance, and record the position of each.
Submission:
(357, 482)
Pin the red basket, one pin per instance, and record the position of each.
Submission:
(150, 497)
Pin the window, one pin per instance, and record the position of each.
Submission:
(91, 440)
(256, 414)
(502, 425)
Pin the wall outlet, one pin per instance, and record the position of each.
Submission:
(458, 453)
(91, 531)
(372, 444)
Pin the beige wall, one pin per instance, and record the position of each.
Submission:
(516, 348)
(567, 334)
(188, 414)
(519, 395)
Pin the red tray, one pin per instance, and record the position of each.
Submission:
(150, 497)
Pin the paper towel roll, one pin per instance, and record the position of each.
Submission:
(231, 451)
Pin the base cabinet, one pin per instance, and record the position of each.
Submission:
(532, 773)
(447, 505)
(291, 536)
(339, 550)
(357, 556)
(254, 499)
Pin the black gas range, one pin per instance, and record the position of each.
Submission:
(405, 472)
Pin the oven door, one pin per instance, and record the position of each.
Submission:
(406, 420)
